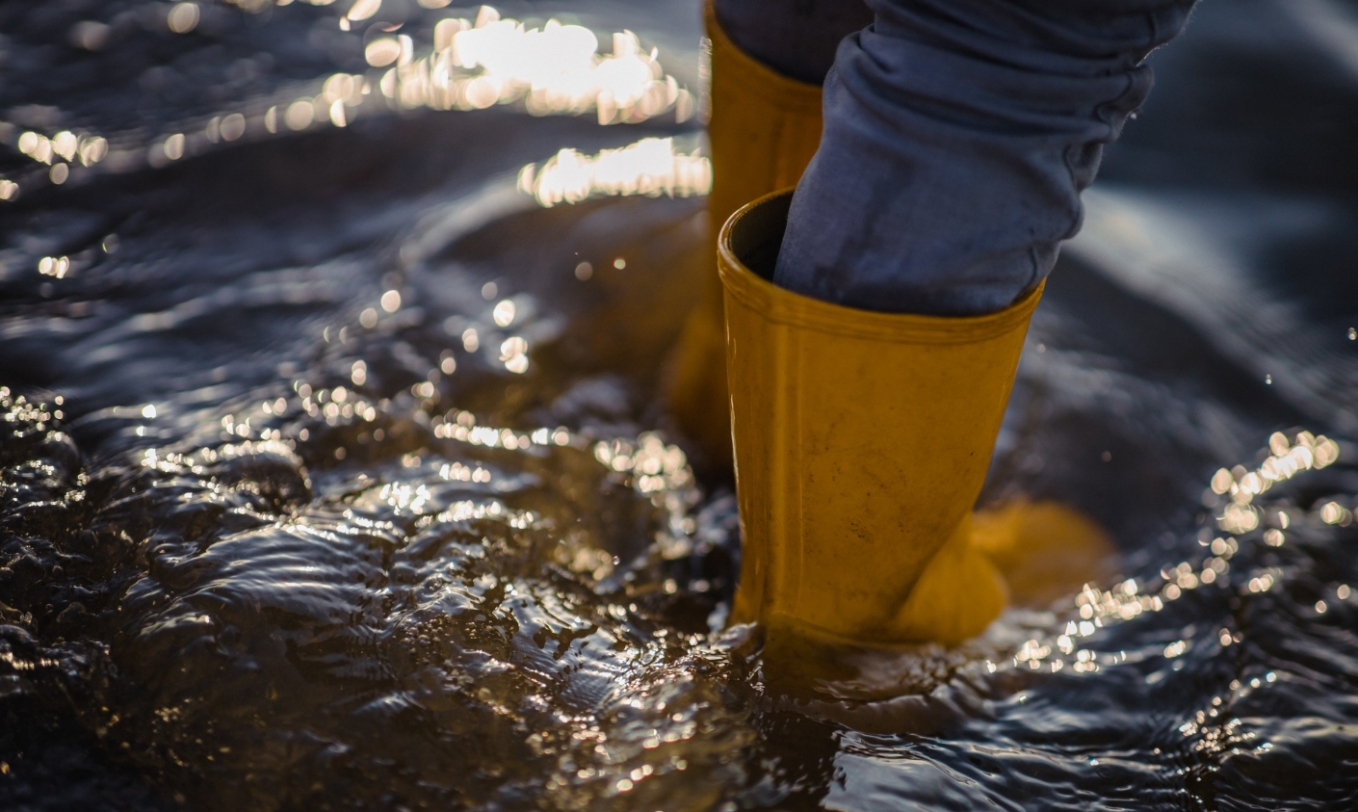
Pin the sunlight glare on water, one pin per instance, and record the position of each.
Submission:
(471, 64)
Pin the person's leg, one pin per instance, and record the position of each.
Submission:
(797, 38)
(958, 137)
(768, 58)
(872, 355)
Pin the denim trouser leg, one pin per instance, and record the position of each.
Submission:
(958, 137)
(797, 38)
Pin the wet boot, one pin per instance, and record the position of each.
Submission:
(862, 440)
(764, 129)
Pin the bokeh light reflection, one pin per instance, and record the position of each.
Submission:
(472, 64)
(650, 167)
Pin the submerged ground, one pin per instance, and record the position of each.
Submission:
(332, 472)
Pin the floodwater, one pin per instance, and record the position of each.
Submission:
(333, 475)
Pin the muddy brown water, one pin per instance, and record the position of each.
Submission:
(297, 513)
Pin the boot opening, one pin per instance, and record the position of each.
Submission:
(756, 236)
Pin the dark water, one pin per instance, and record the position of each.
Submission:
(298, 513)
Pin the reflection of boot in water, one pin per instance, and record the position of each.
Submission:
(763, 132)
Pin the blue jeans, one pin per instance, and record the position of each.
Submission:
(958, 137)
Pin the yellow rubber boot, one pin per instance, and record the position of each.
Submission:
(764, 129)
(862, 441)
(1044, 550)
